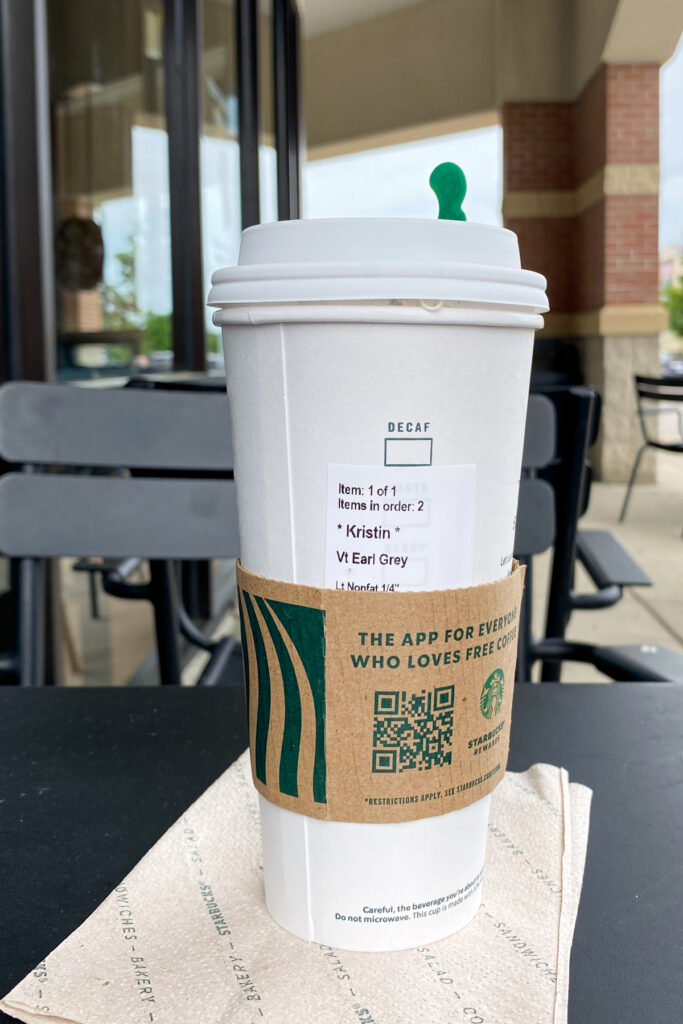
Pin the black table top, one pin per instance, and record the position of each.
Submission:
(89, 779)
(180, 380)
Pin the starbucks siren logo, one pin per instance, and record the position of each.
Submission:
(491, 699)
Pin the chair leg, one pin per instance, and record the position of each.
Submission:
(216, 672)
(162, 591)
(31, 623)
(94, 603)
(631, 482)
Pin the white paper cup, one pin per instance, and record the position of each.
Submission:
(415, 356)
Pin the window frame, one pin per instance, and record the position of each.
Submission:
(28, 336)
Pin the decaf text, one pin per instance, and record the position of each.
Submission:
(407, 427)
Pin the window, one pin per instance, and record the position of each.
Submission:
(111, 189)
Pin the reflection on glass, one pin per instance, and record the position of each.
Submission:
(267, 153)
(219, 153)
(112, 240)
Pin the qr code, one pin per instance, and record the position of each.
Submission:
(412, 730)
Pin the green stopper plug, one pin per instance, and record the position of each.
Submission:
(449, 184)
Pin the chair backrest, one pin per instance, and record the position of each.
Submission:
(578, 416)
(659, 389)
(535, 527)
(655, 394)
(561, 424)
(57, 424)
(162, 515)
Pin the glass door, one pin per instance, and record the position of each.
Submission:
(221, 200)
(111, 187)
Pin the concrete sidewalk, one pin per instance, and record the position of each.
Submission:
(652, 534)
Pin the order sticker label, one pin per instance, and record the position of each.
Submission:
(399, 528)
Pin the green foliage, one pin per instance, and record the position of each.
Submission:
(120, 305)
(672, 299)
(119, 355)
(158, 336)
(122, 313)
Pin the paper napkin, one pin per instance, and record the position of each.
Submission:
(186, 938)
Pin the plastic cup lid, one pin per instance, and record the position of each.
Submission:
(379, 258)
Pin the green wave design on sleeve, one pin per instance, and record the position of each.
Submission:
(291, 735)
(245, 655)
(263, 677)
(306, 628)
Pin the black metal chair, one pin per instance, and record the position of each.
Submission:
(561, 425)
(654, 396)
(123, 474)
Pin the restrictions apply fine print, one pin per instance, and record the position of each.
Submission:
(378, 707)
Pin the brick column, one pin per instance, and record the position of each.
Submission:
(581, 191)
